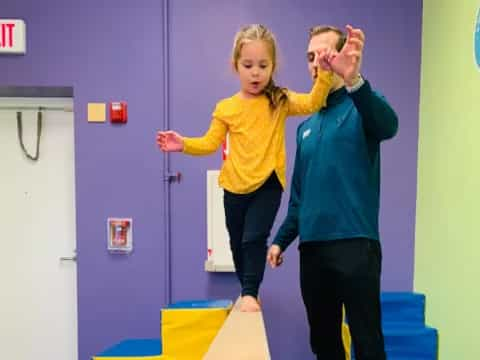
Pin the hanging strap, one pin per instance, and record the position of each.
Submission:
(20, 134)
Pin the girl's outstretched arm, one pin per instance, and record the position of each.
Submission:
(306, 104)
(171, 141)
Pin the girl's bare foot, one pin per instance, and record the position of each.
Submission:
(249, 304)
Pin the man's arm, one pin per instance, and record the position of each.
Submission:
(378, 118)
(289, 229)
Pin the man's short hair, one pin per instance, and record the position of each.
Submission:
(320, 29)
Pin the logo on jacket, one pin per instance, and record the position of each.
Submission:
(306, 133)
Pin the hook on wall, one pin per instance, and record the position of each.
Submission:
(39, 133)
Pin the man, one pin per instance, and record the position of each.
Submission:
(334, 203)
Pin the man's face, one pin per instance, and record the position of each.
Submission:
(323, 41)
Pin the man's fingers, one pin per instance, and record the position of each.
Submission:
(357, 42)
(355, 54)
(359, 34)
(355, 33)
(274, 258)
(273, 263)
(280, 260)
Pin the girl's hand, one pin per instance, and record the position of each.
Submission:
(322, 59)
(169, 141)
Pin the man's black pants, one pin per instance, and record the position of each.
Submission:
(337, 272)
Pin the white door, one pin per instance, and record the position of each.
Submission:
(38, 291)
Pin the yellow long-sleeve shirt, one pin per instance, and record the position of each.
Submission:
(256, 135)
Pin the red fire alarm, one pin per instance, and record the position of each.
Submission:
(118, 112)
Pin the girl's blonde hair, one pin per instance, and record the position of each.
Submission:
(275, 94)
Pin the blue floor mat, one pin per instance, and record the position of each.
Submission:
(135, 347)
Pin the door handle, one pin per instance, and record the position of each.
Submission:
(173, 177)
(69, 258)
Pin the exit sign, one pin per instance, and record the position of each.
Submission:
(12, 36)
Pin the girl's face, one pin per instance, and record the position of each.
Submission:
(254, 68)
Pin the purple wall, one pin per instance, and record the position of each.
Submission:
(108, 52)
(114, 52)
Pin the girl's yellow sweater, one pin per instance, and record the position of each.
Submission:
(256, 135)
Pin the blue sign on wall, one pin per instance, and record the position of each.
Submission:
(477, 39)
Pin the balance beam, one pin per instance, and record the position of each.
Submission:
(242, 337)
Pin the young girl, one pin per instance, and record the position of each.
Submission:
(253, 174)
